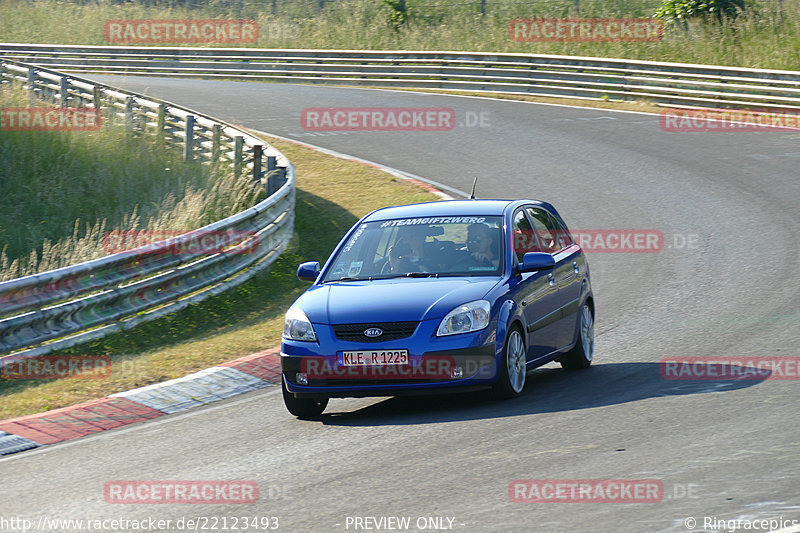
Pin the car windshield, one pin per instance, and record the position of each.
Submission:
(421, 247)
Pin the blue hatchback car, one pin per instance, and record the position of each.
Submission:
(435, 297)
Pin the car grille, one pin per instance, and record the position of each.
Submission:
(391, 331)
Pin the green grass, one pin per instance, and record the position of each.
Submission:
(763, 39)
(332, 194)
(64, 190)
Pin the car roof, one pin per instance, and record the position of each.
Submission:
(445, 208)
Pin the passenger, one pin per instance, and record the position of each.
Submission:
(482, 245)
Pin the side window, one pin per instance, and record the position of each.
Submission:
(546, 229)
(564, 236)
(525, 239)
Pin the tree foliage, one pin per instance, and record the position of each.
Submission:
(672, 11)
(398, 12)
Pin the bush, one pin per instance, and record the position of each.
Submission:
(672, 11)
(398, 13)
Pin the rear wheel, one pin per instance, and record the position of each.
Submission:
(302, 407)
(512, 367)
(580, 356)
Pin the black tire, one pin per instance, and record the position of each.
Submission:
(512, 371)
(581, 355)
(305, 408)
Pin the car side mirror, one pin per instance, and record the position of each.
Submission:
(308, 271)
(532, 261)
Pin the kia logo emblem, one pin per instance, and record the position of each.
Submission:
(373, 332)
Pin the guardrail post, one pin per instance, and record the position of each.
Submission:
(281, 179)
(238, 148)
(216, 133)
(129, 113)
(258, 151)
(272, 175)
(187, 148)
(161, 119)
(32, 85)
(96, 97)
(64, 90)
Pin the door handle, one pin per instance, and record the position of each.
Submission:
(576, 267)
(551, 280)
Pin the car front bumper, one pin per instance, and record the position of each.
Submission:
(455, 363)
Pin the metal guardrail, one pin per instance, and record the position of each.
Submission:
(74, 304)
(674, 84)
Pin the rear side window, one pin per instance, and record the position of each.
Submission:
(553, 236)
(564, 236)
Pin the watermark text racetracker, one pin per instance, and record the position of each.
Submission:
(585, 30)
(730, 368)
(600, 240)
(389, 119)
(393, 365)
(149, 523)
(175, 242)
(180, 492)
(180, 31)
(63, 366)
(598, 491)
(727, 120)
(55, 367)
(586, 490)
(50, 119)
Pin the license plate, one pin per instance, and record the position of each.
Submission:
(375, 358)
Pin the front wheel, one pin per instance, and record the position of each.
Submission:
(580, 356)
(512, 367)
(302, 407)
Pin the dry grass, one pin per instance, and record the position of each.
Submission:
(64, 191)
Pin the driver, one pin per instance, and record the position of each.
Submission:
(408, 253)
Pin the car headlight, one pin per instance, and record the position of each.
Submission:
(472, 316)
(297, 326)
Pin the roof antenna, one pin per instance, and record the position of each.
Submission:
(474, 183)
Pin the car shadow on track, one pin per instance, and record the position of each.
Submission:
(548, 389)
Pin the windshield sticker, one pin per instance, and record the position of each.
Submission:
(436, 220)
(352, 241)
(355, 268)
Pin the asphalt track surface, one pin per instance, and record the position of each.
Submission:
(723, 450)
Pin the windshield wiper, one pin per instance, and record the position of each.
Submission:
(347, 278)
(421, 274)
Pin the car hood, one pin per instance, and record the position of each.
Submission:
(390, 300)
